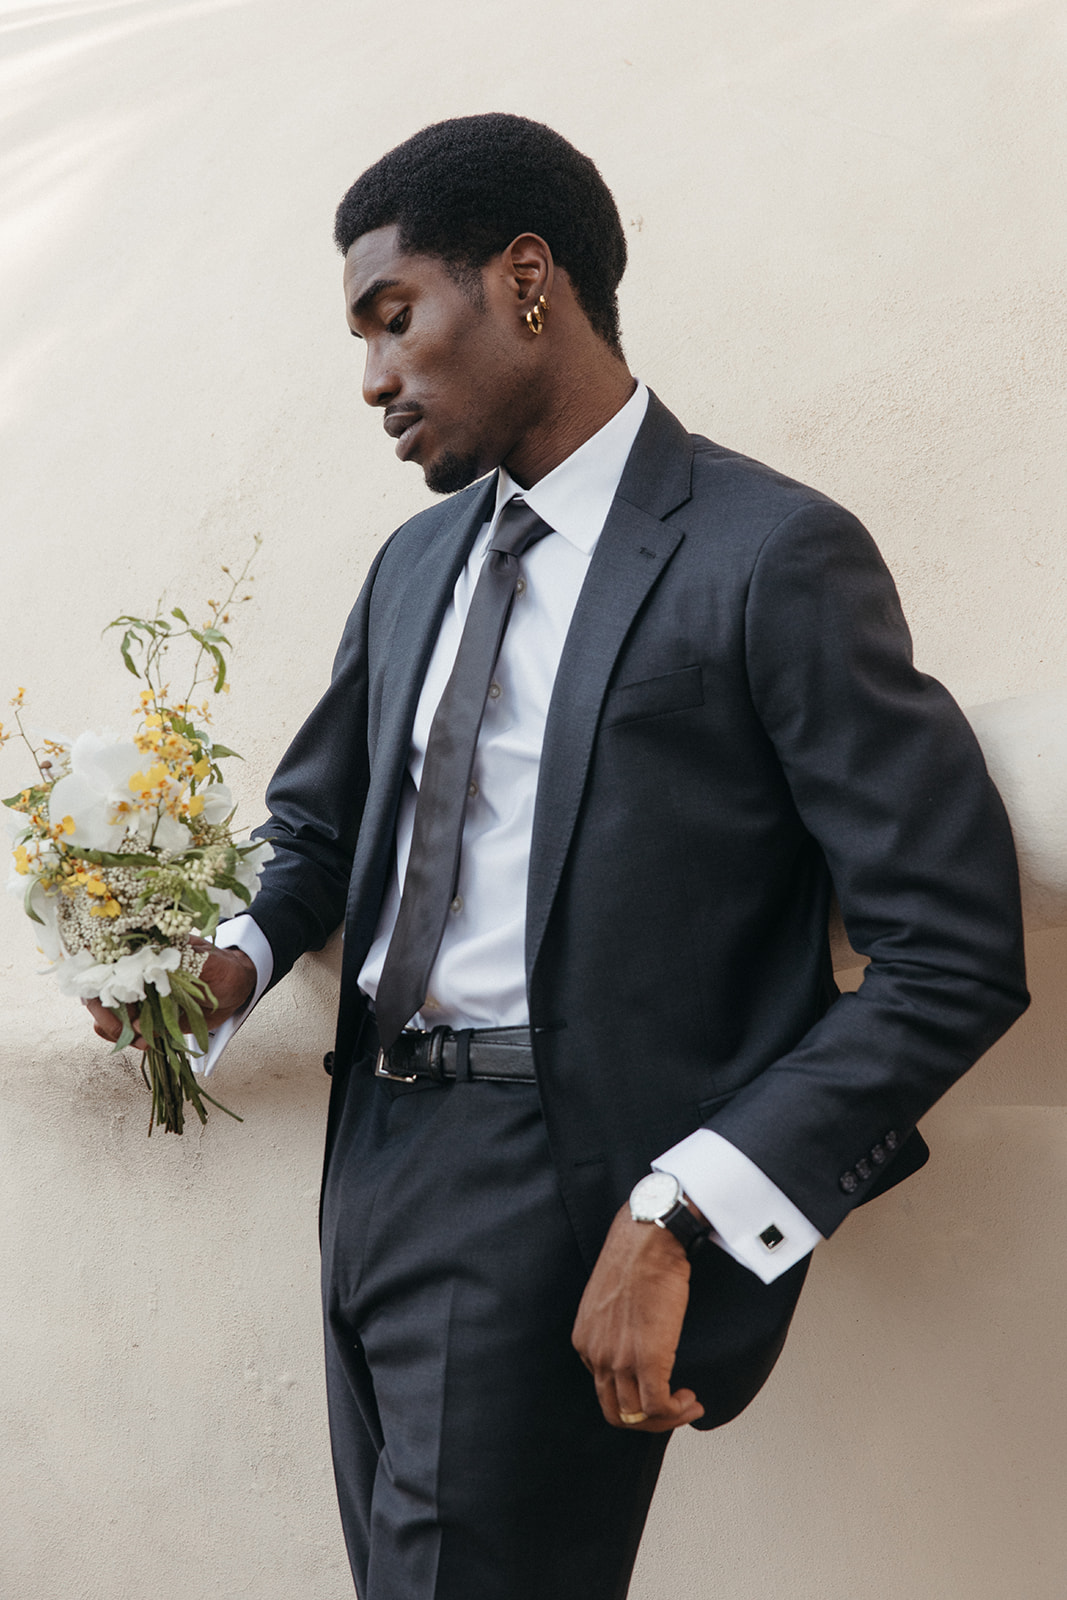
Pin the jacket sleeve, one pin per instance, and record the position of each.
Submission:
(887, 776)
(316, 800)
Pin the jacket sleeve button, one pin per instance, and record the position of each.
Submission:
(878, 1154)
(849, 1182)
(891, 1140)
(327, 1061)
(863, 1168)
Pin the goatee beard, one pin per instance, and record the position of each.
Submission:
(451, 472)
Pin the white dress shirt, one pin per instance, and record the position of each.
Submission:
(479, 977)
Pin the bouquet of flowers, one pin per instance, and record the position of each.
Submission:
(125, 859)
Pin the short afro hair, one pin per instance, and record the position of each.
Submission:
(461, 190)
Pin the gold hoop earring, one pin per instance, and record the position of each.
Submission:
(535, 317)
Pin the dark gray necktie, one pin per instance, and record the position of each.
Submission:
(433, 865)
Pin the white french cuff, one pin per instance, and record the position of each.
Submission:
(242, 933)
(751, 1219)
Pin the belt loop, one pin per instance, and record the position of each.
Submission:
(435, 1049)
(463, 1055)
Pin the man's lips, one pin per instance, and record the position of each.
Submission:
(396, 421)
(401, 426)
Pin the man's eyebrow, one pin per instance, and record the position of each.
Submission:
(368, 296)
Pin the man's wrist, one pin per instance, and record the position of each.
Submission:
(658, 1198)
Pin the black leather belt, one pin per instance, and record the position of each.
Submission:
(501, 1055)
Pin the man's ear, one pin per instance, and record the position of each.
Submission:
(529, 269)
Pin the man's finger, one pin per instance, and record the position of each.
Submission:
(653, 1393)
(628, 1401)
(684, 1407)
(107, 1026)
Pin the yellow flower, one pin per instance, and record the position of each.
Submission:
(67, 825)
(96, 886)
(201, 769)
(194, 805)
(110, 908)
(22, 860)
(148, 780)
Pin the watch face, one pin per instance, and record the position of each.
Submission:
(653, 1196)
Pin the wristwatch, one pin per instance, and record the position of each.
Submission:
(659, 1198)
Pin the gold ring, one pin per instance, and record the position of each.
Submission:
(630, 1417)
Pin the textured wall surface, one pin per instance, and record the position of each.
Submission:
(847, 231)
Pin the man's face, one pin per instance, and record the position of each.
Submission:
(444, 361)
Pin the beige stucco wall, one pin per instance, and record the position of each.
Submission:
(847, 230)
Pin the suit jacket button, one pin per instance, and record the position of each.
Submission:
(891, 1140)
(863, 1168)
(849, 1182)
(878, 1154)
(327, 1061)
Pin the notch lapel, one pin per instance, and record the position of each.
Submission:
(631, 553)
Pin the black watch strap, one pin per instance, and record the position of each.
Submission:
(691, 1233)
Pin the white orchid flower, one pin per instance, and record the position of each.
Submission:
(43, 905)
(218, 803)
(92, 792)
(249, 868)
(80, 976)
(117, 983)
(155, 825)
(131, 975)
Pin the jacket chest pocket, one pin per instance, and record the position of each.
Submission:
(680, 690)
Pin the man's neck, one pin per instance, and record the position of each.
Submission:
(580, 406)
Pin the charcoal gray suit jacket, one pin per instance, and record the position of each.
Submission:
(736, 727)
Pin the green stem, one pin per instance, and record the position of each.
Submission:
(168, 1070)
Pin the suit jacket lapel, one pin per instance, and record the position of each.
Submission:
(632, 551)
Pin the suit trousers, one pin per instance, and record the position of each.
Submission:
(471, 1457)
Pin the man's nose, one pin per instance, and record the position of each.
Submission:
(381, 382)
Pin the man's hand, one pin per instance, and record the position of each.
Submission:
(229, 974)
(629, 1323)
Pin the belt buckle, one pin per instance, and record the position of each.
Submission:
(382, 1071)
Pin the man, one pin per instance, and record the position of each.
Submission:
(602, 731)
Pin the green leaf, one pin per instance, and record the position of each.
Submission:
(126, 656)
(192, 1012)
(219, 752)
(234, 887)
(180, 614)
(168, 1007)
(109, 858)
(30, 912)
(126, 1037)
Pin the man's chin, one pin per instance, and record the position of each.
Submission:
(451, 472)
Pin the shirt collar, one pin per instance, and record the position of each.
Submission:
(575, 497)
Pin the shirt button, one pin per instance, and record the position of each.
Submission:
(457, 904)
(520, 587)
(472, 789)
(494, 691)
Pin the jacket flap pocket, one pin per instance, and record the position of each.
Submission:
(651, 697)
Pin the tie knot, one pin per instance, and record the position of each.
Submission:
(519, 527)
